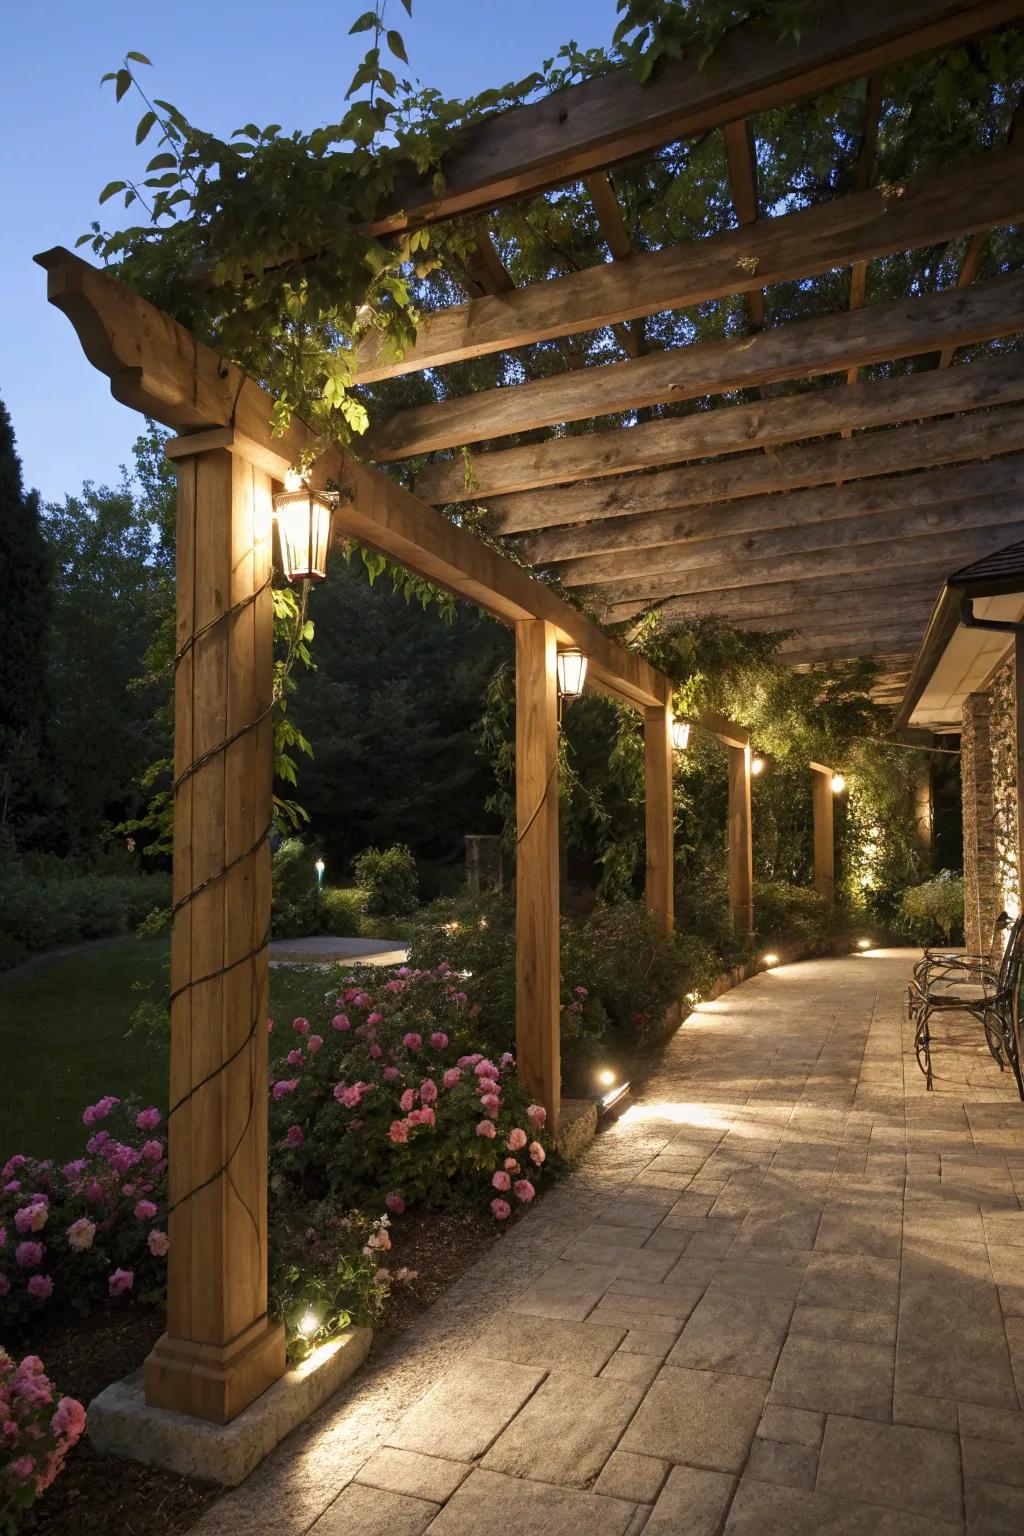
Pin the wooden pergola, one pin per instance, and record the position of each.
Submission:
(679, 510)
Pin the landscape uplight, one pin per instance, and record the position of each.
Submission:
(606, 1078)
(309, 1323)
(303, 518)
(319, 866)
(572, 672)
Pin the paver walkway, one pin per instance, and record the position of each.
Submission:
(784, 1295)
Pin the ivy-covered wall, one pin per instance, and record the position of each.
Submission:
(989, 776)
(1003, 746)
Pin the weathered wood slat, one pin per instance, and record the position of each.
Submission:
(978, 193)
(804, 349)
(589, 507)
(860, 608)
(613, 117)
(965, 542)
(853, 649)
(727, 429)
(156, 367)
(627, 544)
(766, 605)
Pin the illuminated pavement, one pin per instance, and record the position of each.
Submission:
(783, 1296)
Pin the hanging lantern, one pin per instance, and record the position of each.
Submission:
(680, 735)
(838, 783)
(572, 672)
(757, 764)
(303, 518)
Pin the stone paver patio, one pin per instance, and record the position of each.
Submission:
(783, 1296)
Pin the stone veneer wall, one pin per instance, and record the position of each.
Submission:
(1002, 735)
(980, 908)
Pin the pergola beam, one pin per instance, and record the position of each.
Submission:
(802, 349)
(727, 429)
(976, 193)
(601, 515)
(157, 367)
(778, 604)
(614, 117)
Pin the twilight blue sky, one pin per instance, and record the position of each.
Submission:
(223, 65)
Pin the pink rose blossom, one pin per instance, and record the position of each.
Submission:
(394, 986)
(363, 1000)
(491, 1103)
(300, 1026)
(376, 1052)
(443, 969)
(516, 1140)
(94, 1192)
(507, 1060)
(120, 1282)
(374, 1019)
(523, 1190)
(313, 1044)
(152, 1151)
(22, 1469)
(145, 1210)
(398, 1132)
(294, 1137)
(352, 1096)
(501, 1210)
(407, 1100)
(31, 1218)
(148, 1119)
(270, 1026)
(68, 1422)
(283, 1087)
(511, 1165)
(394, 1203)
(29, 1255)
(581, 991)
(12, 1187)
(428, 1091)
(341, 1021)
(501, 1181)
(439, 1039)
(469, 1061)
(40, 1287)
(486, 1128)
(412, 1041)
(158, 1243)
(295, 1058)
(538, 1114)
(389, 1074)
(486, 1069)
(81, 1233)
(537, 1152)
(451, 1077)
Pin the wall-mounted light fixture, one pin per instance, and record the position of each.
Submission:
(838, 783)
(680, 735)
(303, 518)
(572, 673)
(757, 764)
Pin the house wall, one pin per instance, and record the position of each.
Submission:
(988, 767)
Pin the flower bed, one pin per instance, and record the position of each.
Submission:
(35, 1434)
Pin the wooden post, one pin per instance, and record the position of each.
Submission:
(924, 817)
(659, 815)
(538, 989)
(824, 839)
(1018, 721)
(220, 1351)
(741, 851)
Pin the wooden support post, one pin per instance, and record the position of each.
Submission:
(824, 839)
(538, 989)
(1018, 721)
(924, 817)
(220, 1350)
(659, 815)
(741, 851)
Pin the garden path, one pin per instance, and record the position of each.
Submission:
(783, 1295)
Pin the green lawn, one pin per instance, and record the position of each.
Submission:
(65, 1039)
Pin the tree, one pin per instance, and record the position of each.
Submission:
(25, 789)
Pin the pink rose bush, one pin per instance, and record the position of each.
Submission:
(403, 1105)
(37, 1429)
(65, 1231)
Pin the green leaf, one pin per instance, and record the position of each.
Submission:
(408, 7)
(146, 122)
(397, 46)
(124, 83)
(163, 162)
(364, 23)
(110, 188)
(140, 58)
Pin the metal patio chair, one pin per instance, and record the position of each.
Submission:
(992, 1003)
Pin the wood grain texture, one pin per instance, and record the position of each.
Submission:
(824, 834)
(803, 349)
(659, 816)
(983, 192)
(741, 852)
(724, 429)
(538, 986)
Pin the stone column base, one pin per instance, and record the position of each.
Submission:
(121, 1423)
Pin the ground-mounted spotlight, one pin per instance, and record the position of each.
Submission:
(614, 1090)
(865, 944)
(769, 961)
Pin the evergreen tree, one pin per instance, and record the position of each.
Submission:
(26, 789)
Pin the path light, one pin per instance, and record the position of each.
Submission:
(303, 518)
(769, 960)
(606, 1078)
(319, 866)
(757, 765)
(309, 1323)
(680, 735)
(838, 783)
(864, 944)
(572, 672)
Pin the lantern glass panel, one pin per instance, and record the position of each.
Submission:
(572, 672)
(680, 735)
(304, 532)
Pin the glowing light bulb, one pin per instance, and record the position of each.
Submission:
(769, 960)
(838, 783)
(309, 1323)
(606, 1078)
(757, 765)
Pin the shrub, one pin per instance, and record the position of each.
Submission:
(934, 912)
(74, 1235)
(295, 899)
(796, 914)
(37, 1434)
(388, 1104)
(39, 911)
(388, 878)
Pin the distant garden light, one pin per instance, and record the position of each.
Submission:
(838, 783)
(864, 944)
(303, 518)
(757, 764)
(680, 735)
(319, 866)
(572, 673)
(769, 960)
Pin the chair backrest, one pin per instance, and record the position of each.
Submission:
(1000, 942)
(1010, 969)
